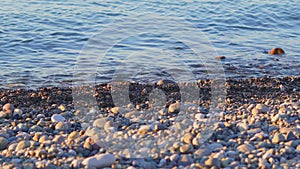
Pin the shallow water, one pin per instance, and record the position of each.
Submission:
(44, 43)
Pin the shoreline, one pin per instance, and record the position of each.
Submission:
(259, 127)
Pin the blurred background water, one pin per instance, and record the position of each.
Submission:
(40, 41)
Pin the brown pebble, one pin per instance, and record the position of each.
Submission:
(276, 51)
(220, 57)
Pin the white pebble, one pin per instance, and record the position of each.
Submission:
(57, 118)
(99, 161)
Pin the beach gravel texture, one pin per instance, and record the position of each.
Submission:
(258, 127)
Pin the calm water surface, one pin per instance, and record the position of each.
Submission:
(41, 41)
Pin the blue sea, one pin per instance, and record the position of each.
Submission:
(57, 42)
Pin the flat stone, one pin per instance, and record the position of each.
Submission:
(57, 118)
(99, 161)
(3, 143)
(245, 148)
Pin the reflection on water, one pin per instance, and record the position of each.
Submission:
(40, 41)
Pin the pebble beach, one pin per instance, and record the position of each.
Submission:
(257, 126)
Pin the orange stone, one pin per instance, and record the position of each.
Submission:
(220, 57)
(276, 51)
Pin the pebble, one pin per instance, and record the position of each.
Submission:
(116, 110)
(110, 127)
(3, 143)
(278, 137)
(174, 158)
(187, 138)
(144, 129)
(61, 107)
(174, 108)
(58, 139)
(242, 126)
(220, 57)
(22, 145)
(8, 107)
(245, 148)
(290, 136)
(213, 162)
(2, 114)
(203, 152)
(57, 118)
(35, 128)
(99, 161)
(185, 159)
(262, 108)
(62, 126)
(73, 135)
(276, 51)
(100, 123)
(186, 148)
(18, 112)
(268, 154)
